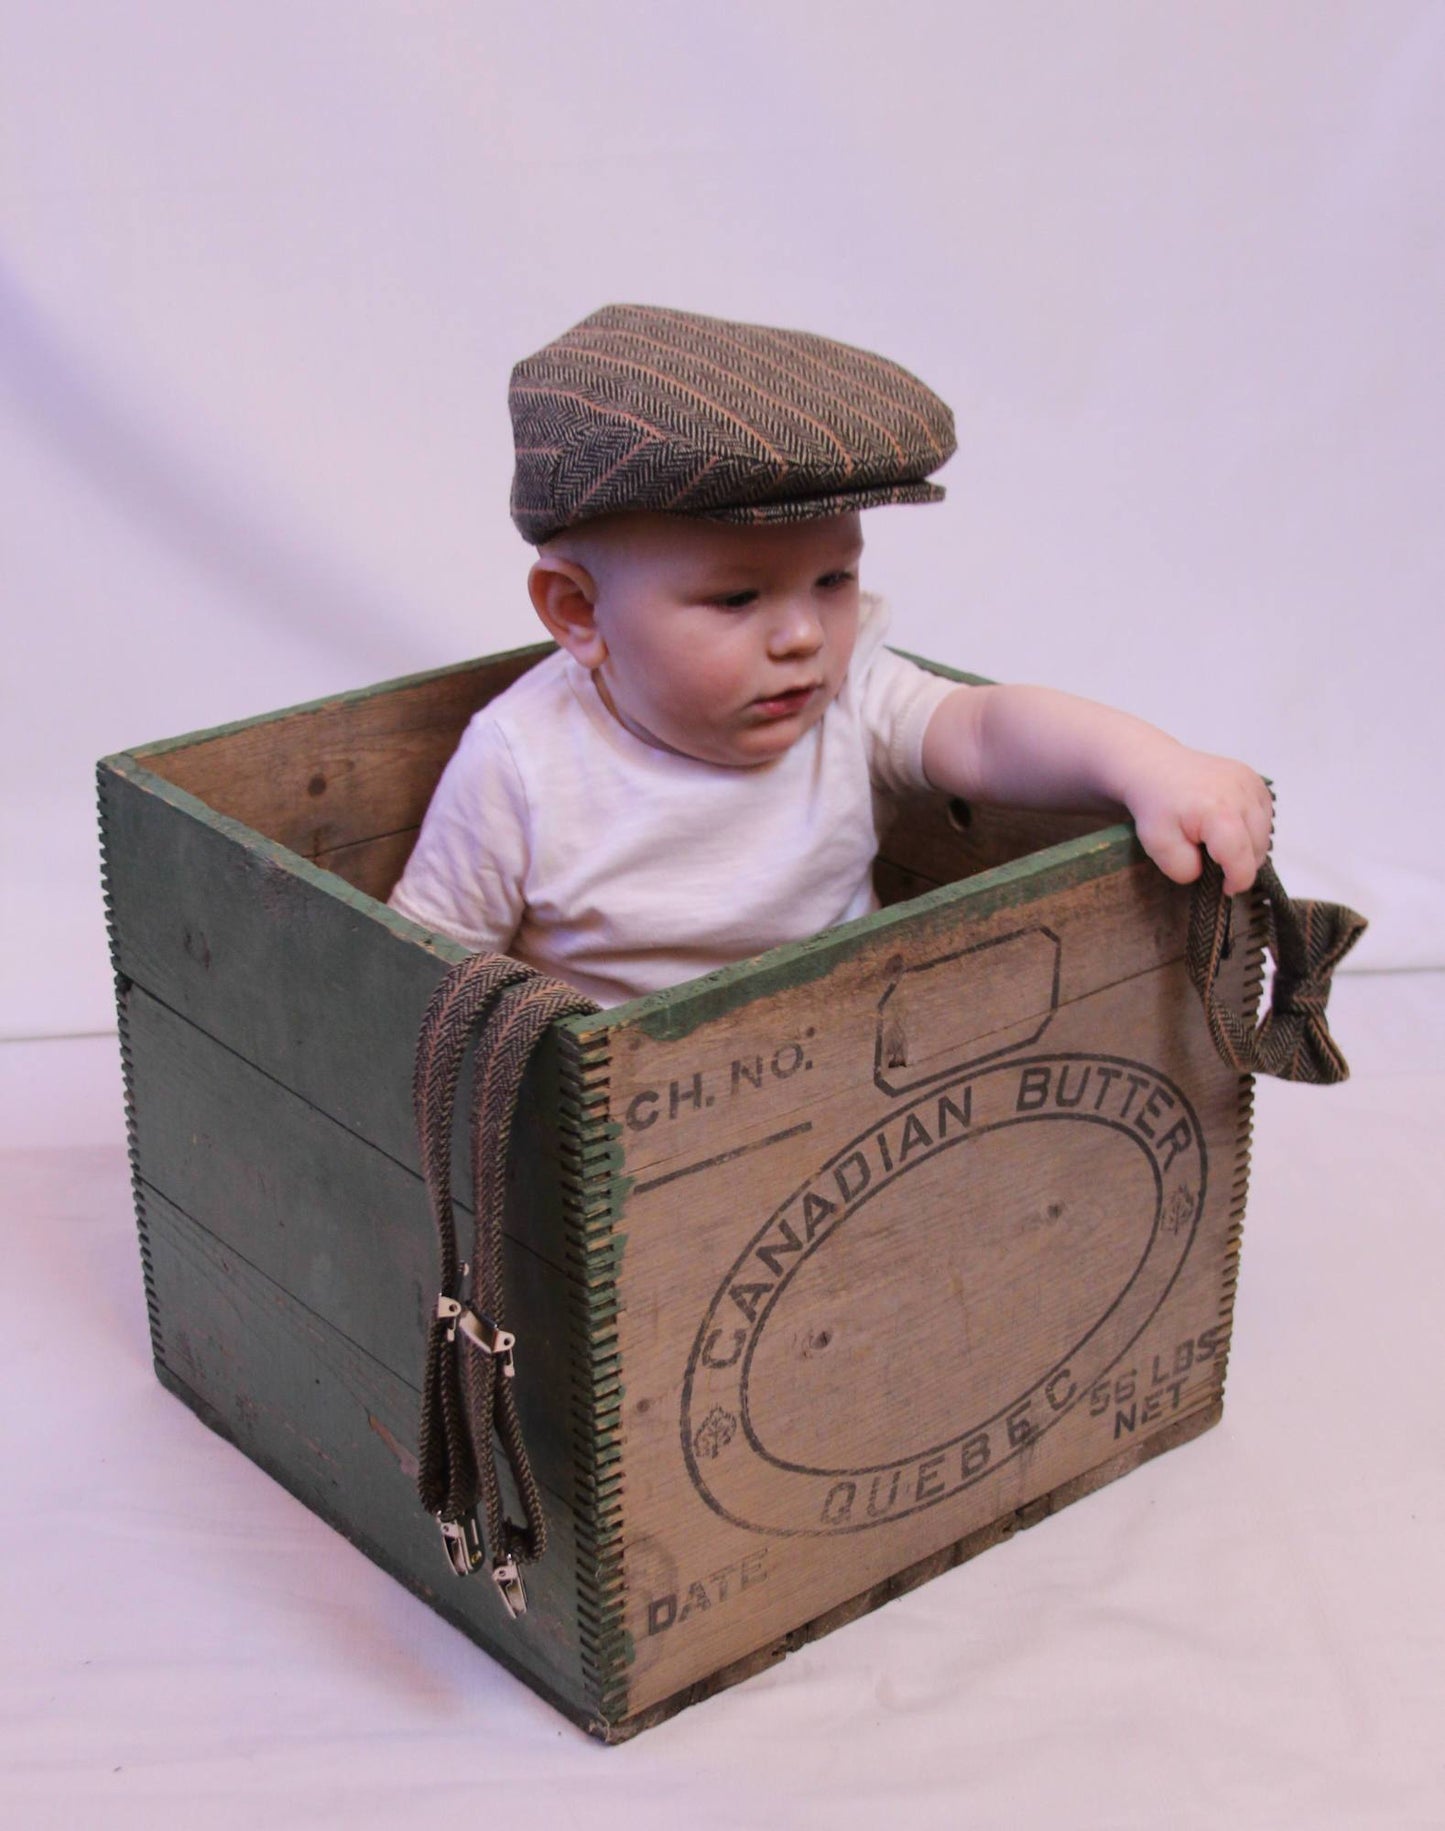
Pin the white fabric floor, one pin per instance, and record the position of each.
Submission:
(1247, 1632)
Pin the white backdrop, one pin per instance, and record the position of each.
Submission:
(1179, 266)
(1179, 269)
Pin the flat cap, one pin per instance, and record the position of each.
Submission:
(641, 408)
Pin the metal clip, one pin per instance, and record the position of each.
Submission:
(512, 1590)
(463, 1542)
(490, 1339)
(448, 1310)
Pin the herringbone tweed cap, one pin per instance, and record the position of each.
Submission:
(641, 408)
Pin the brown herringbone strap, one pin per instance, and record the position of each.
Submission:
(1308, 940)
(468, 1390)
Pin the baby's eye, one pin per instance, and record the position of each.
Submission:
(737, 600)
(830, 581)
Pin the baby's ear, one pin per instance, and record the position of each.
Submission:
(564, 596)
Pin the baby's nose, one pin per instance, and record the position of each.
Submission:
(797, 630)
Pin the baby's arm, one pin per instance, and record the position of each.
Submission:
(1033, 747)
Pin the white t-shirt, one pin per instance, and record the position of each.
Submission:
(558, 837)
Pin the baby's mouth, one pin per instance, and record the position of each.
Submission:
(785, 705)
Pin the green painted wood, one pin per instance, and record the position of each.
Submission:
(330, 1219)
(339, 1431)
(311, 981)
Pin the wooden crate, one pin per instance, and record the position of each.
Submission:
(828, 1270)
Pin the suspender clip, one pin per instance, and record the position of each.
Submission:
(491, 1338)
(481, 1331)
(463, 1542)
(510, 1587)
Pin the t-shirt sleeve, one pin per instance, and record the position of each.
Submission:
(467, 872)
(897, 700)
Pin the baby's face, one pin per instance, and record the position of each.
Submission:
(725, 642)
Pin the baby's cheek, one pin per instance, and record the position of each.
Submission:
(733, 680)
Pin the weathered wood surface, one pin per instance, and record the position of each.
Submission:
(270, 984)
(358, 767)
(888, 1278)
(898, 1583)
(371, 865)
(709, 1060)
(311, 982)
(332, 1220)
(339, 1431)
(937, 840)
(837, 1261)
(205, 912)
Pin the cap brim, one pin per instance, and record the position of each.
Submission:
(819, 508)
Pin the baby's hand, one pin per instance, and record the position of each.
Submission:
(1186, 799)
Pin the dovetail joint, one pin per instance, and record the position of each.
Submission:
(592, 1257)
(104, 780)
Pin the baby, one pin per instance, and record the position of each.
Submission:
(689, 780)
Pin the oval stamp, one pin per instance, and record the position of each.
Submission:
(754, 1450)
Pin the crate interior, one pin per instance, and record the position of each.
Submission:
(345, 783)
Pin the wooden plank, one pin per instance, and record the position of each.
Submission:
(327, 775)
(314, 983)
(924, 1570)
(895, 884)
(339, 1431)
(685, 1091)
(937, 1294)
(371, 865)
(331, 1219)
(938, 840)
